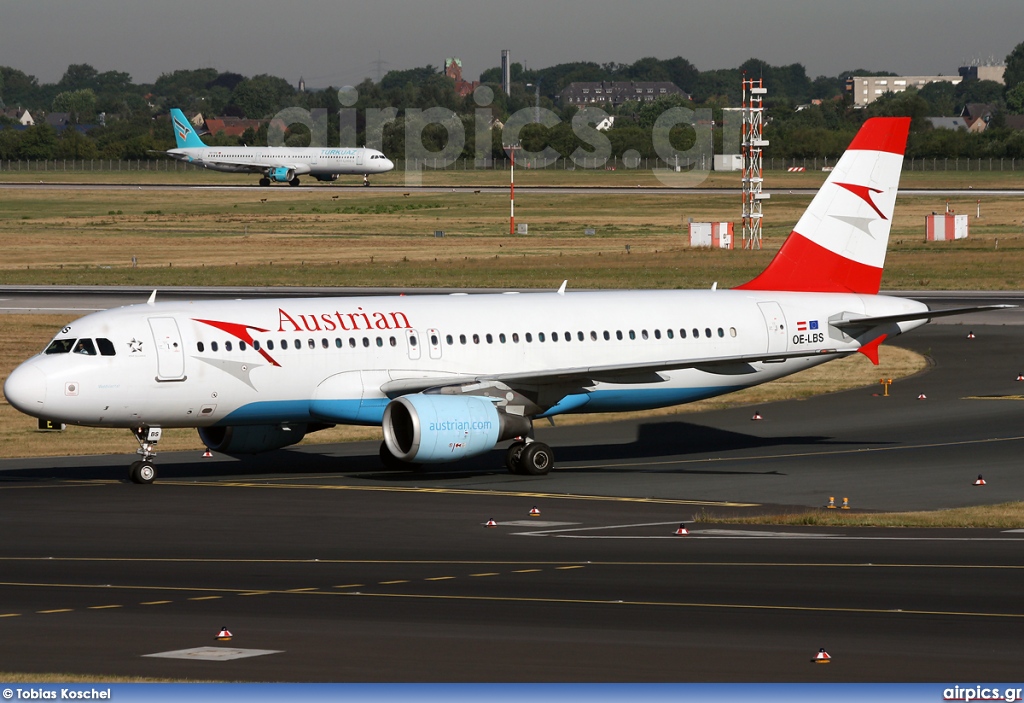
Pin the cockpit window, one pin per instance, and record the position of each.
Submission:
(86, 347)
(106, 346)
(60, 346)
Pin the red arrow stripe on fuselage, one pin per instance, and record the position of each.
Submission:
(241, 333)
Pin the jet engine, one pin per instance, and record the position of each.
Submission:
(281, 175)
(251, 439)
(435, 428)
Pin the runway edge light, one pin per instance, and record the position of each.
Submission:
(970, 335)
(831, 502)
(682, 530)
(224, 635)
(822, 657)
(980, 481)
(491, 523)
(534, 512)
(757, 416)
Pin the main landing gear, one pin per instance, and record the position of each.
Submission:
(529, 458)
(366, 179)
(144, 470)
(264, 182)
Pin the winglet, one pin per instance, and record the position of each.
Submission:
(870, 350)
(152, 297)
(561, 288)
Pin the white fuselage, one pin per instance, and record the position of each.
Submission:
(326, 360)
(298, 160)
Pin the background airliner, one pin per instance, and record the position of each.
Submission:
(452, 376)
(280, 164)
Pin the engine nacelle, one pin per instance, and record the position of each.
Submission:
(330, 177)
(433, 428)
(281, 175)
(250, 439)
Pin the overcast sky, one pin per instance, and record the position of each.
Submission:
(335, 42)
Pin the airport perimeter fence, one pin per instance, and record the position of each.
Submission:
(612, 164)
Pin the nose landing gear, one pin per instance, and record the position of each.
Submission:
(143, 471)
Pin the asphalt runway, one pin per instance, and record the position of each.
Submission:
(348, 573)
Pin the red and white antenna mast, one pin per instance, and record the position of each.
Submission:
(753, 164)
(511, 149)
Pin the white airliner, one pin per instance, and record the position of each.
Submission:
(453, 376)
(280, 164)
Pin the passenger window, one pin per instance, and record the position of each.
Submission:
(462, 339)
(337, 342)
(682, 333)
(352, 342)
(241, 346)
(657, 334)
(593, 336)
(60, 346)
(380, 342)
(199, 347)
(413, 341)
(579, 335)
(107, 347)
(489, 338)
(618, 335)
(696, 333)
(732, 331)
(476, 339)
(632, 334)
(721, 332)
(433, 340)
(529, 337)
(256, 344)
(366, 341)
(707, 332)
(310, 343)
(270, 344)
(227, 345)
(213, 346)
(554, 336)
(394, 342)
(515, 337)
(324, 343)
(670, 333)
(643, 333)
(448, 338)
(540, 336)
(607, 336)
(501, 337)
(298, 344)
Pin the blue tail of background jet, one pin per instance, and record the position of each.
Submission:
(184, 134)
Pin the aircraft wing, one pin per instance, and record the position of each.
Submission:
(858, 323)
(618, 373)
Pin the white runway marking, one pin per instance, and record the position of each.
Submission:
(213, 654)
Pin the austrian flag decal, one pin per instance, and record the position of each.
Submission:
(804, 325)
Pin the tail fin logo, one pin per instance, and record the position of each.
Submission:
(864, 193)
(183, 130)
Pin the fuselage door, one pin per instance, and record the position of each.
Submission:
(170, 356)
(412, 339)
(775, 322)
(359, 156)
(434, 340)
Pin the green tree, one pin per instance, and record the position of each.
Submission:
(261, 96)
(19, 88)
(78, 77)
(1014, 73)
(941, 97)
(79, 104)
(975, 91)
(1015, 99)
(38, 142)
(72, 144)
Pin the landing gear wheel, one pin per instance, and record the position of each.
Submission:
(536, 459)
(264, 182)
(389, 460)
(142, 472)
(366, 181)
(514, 456)
(294, 181)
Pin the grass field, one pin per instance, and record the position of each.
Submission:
(281, 236)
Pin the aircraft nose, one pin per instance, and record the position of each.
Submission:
(25, 389)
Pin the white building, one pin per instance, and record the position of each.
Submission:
(867, 89)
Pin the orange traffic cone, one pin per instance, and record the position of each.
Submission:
(831, 502)
(980, 481)
(491, 523)
(534, 512)
(970, 335)
(224, 635)
(821, 657)
(757, 416)
(207, 454)
(682, 530)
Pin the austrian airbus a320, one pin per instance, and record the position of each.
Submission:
(280, 164)
(452, 376)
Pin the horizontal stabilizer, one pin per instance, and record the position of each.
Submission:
(861, 323)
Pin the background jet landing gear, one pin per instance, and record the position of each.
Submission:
(144, 471)
(531, 459)
(366, 179)
(264, 182)
(294, 181)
